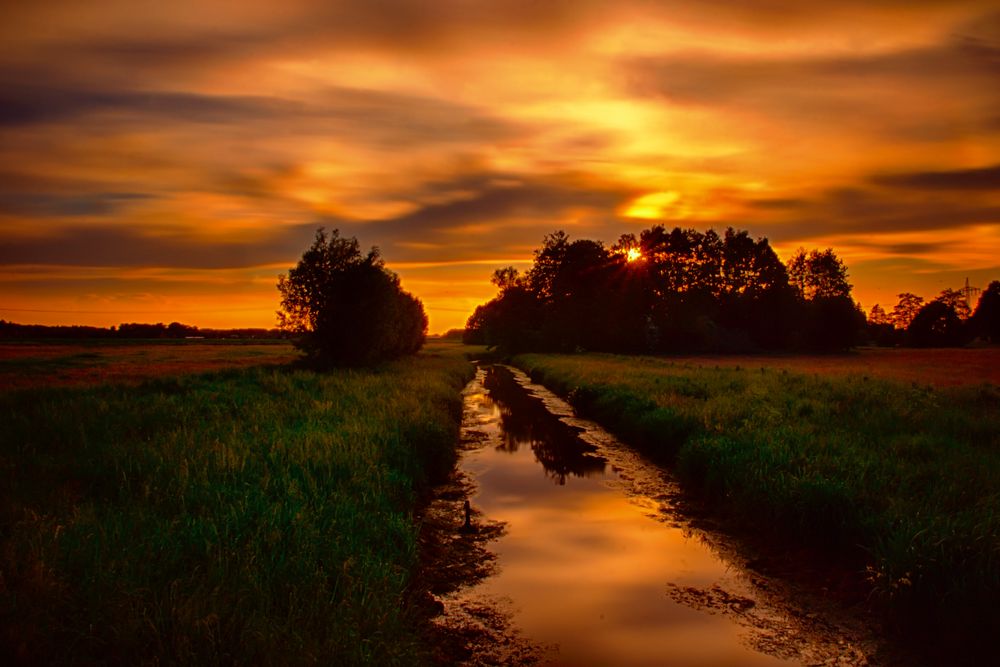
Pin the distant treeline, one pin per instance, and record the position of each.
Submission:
(946, 321)
(684, 291)
(14, 331)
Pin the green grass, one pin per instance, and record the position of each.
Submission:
(900, 478)
(260, 515)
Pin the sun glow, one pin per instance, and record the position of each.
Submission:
(633, 254)
(653, 206)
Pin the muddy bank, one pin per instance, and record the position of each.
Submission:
(455, 555)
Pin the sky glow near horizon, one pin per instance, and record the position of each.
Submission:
(166, 161)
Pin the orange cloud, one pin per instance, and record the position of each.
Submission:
(173, 176)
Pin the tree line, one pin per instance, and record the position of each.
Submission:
(130, 331)
(947, 320)
(340, 306)
(664, 291)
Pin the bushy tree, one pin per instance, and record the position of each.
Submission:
(881, 330)
(906, 309)
(346, 308)
(935, 325)
(818, 274)
(986, 319)
(956, 301)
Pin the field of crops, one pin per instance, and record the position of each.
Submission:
(93, 362)
(260, 515)
(897, 476)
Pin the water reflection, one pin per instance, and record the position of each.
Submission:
(585, 567)
(525, 421)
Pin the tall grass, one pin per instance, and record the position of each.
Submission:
(900, 478)
(258, 516)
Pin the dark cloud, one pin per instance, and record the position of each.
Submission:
(38, 205)
(446, 25)
(983, 178)
(117, 245)
(866, 90)
(915, 248)
(381, 117)
(24, 105)
(904, 249)
(170, 51)
(841, 211)
(509, 211)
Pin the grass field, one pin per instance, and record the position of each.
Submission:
(256, 515)
(940, 367)
(898, 476)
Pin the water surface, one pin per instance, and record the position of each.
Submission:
(595, 566)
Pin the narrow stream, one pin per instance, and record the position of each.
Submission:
(594, 565)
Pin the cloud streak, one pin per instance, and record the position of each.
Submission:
(982, 178)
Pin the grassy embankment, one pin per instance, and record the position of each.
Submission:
(258, 515)
(901, 477)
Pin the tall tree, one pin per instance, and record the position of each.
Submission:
(956, 301)
(878, 316)
(880, 328)
(542, 275)
(906, 309)
(818, 274)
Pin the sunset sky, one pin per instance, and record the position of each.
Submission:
(166, 161)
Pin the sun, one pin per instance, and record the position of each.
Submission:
(633, 254)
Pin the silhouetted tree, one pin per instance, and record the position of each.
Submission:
(576, 312)
(754, 294)
(830, 320)
(674, 291)
(833, 323)
(906, 309)
(880, 328)
(818, 274)
(511, 320)
(986, 319)
(178, 330)
(878, 316)
(347, 308)
(956, 300)
(137, 330)
(935, 325)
